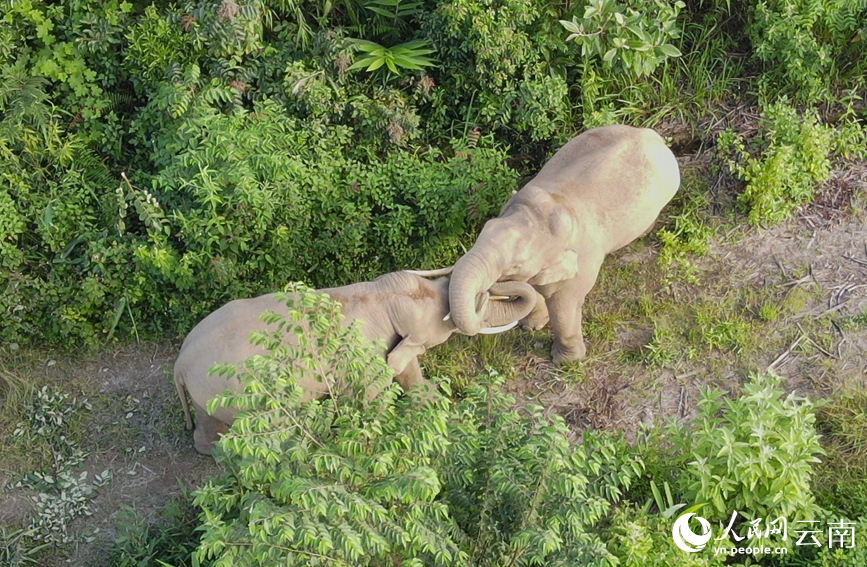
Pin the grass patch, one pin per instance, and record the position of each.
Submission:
(856, 323)
(169, 541)
(839, 483)
(462, 358)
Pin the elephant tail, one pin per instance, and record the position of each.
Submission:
(182, 394)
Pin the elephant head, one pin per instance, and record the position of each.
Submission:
(512, 248)
(424, 319)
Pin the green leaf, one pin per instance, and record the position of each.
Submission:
(670, 50)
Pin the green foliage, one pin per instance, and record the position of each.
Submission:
(254, 156)
(350, 480)
(827, 555)
(754, 454)
(720, 326)
(782, 166)
(521, 493)
(663, 349)
(169, 542)
(807, 44)
(15, 548)
(410, 55)
(335, 482)
(686, 236)
(629, 38)
(249, 190)
(60, 494)
(641, 539)
(506, 62)
(840, 478)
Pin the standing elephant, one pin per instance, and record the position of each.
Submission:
(404, 309)
(598, 193)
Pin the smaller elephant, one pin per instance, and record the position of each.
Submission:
(404, 309)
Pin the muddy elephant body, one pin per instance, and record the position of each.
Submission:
(405, 310)
(598, 193)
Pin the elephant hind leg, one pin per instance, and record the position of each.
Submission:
(208, 430)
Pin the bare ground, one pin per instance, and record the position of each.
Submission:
(136, 431)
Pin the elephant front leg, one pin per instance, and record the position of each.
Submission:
(565, 307)
(538, 318)
(412, 378)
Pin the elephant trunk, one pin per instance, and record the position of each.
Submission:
(499, 313)
(473, 275)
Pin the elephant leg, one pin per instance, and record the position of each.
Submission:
(412, 377)
(208, 430)
(538, 317)
(565, 307)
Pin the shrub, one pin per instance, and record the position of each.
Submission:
(754, 454)
(793, 158)
(641, 539)
(396, 480)
(807, 44)
(506, 71)
(632, 39)
(251, 200)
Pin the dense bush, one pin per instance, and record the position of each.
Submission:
(756, 455)
(395, 480)
(639, 538)
(807, 44)
(794, 158)
(160, 159)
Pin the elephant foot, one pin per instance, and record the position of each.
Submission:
(562, 353)
(203, 445)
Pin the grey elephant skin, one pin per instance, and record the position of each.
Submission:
(598, 193)
(403, 309)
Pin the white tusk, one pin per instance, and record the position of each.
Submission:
(500, 297)
(495, 330)
(431, 273)
(447, 317)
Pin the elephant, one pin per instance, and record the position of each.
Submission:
(599, 192)
(404, 309)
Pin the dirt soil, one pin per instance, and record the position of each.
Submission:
(138, 430)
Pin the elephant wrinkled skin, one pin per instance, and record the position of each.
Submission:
(598, 193)
(403, 309)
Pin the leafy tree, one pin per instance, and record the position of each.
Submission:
(395, 480)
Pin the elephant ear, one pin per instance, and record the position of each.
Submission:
(561, 223)
(402, 354)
